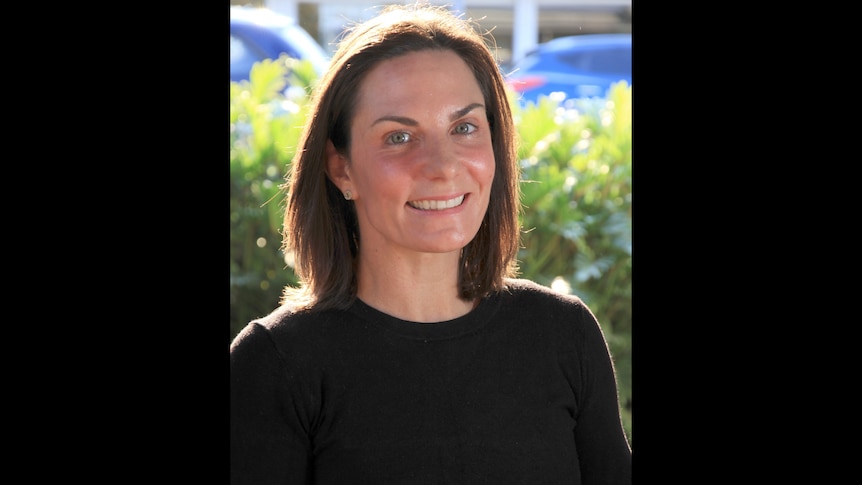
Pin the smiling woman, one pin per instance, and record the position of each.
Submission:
(410, 352)
(425, 145)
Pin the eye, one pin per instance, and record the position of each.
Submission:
(398, 138)
(465, 128)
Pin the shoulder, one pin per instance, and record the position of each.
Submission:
(562, 315)
(284, 320)
(295, 333)
(528, 291)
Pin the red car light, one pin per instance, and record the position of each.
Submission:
(526, 83)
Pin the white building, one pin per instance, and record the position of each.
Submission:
(518, 25)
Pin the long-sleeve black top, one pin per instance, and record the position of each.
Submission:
(521, 390)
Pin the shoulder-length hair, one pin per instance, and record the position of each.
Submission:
(320, 226)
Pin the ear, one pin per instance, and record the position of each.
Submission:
(336, 167)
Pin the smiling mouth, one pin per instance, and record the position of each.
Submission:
(436, 205)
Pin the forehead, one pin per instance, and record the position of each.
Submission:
(428, 76)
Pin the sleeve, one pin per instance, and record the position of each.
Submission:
(269, 438)
(604, 452)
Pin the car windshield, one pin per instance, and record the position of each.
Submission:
(306, 44)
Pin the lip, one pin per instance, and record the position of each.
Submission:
(438, 204)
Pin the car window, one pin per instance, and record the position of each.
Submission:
(242, 57)
(604, 60)
(528, 61)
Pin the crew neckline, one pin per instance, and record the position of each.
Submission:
(465, 324)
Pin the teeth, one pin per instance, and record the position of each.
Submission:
(436, 205)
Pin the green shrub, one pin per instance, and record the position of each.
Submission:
(265, 124)
(576, 163)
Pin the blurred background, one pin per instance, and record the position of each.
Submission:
(527, 22)
(568, 64)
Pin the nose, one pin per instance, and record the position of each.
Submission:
(440, 159)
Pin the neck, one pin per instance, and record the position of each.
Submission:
(422, 289)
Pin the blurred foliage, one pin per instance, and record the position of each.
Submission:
(266, 116)
(576, 161)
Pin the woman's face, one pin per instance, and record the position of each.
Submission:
(421, 160)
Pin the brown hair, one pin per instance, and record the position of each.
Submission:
(320, 226)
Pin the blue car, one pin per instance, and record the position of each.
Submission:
(259, 33)
(580, 66)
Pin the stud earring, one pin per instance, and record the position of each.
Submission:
(348, 195)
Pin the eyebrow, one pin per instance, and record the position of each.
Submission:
(411, 122)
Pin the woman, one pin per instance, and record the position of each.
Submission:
(410, 353)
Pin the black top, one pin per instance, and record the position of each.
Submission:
(521, 390)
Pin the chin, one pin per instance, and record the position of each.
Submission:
(455, 245)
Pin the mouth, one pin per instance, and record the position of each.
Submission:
(436, 205)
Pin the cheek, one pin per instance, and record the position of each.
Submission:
(486, 169)
(386, 180)
(383, 186)
(481, 162)
(373, 176)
